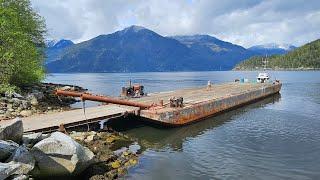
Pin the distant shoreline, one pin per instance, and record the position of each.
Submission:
(280, 69)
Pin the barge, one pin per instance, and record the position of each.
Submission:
(172, 108)
(199, 103)
(185, 106)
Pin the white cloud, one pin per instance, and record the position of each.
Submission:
(244, 22)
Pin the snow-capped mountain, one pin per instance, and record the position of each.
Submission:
(58, 43)
(55, 48)
(272, 48)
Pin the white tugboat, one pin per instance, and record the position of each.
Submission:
(263, 77)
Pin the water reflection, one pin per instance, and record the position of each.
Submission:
(156, 138)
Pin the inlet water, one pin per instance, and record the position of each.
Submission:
(276, 138)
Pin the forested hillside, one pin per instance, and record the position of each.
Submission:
(304, 57)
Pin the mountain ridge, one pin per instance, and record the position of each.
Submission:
(272, 48)
(129, 50)
(136, 49)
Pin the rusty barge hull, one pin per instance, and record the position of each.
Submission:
(204, 102)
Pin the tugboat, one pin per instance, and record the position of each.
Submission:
(263, 77)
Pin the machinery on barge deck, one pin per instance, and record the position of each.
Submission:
(133, 91)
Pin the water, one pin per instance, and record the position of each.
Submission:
(276, 138)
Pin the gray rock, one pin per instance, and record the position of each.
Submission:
(8, 169)
(25, 104)
(64, 88)
(9, 106)
(34, 102)
(7, 148)
(6, 115)
(25, 113)
(16, 95)
(61, 155)
(89, 138)
(120, 151)
(2, 111)
(134, 148)
(16, 102)
(33, 138)
(12, 131)
(10, 109)
(20, 177)
(3, 99)
(8, 94)
(23, 157)
(38, 95)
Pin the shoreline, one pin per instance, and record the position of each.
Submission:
(36, 99)
(280, 69)
(94, 155)
(113, 152)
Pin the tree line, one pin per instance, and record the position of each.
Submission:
(304, 57)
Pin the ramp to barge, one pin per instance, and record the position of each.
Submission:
(51, 121)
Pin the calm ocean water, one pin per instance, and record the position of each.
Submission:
(276, 138)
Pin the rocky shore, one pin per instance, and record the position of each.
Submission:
(39, 98)
(84, 155)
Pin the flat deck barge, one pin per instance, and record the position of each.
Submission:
(202, 102)
(198, 103)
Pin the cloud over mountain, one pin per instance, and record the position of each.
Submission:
(244, 22)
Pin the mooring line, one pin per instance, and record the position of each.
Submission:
(84, 113)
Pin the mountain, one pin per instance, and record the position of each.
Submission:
(133, 49)
(136, 49)
(304, 57)
(272, 49)
(225, 54)
(55, 49)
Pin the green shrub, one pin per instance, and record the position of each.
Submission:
(21, 44)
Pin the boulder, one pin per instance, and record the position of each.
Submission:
(16, 95)
(37, 94)
(34, 102)
(134, 148)
(6, 149)
(120, 151)
(12, 131)
(25, 104)
(89, 138)
(20, 177)
(8, 169)
(23, 157)
(60, 155)
(9, 106)
(65, 88)
(26, 113)
(16, 103)
(33, 138)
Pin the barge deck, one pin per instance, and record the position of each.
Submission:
(203, 102)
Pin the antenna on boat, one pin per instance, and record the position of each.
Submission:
(265, 62)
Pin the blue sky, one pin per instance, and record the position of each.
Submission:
(244, 22)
